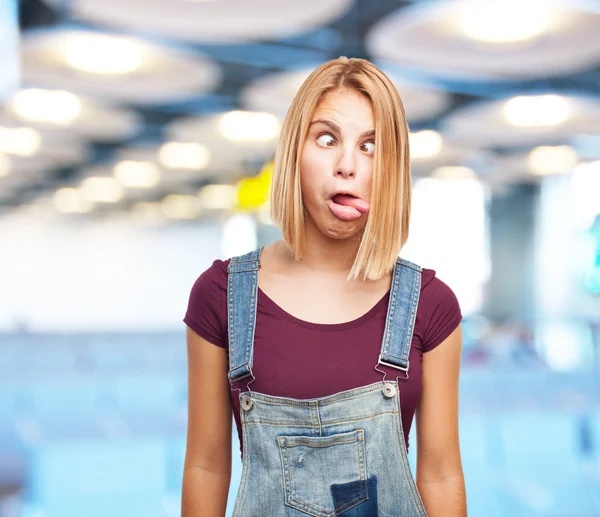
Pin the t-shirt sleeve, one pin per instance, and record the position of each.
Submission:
(207, 309)
(445, 314)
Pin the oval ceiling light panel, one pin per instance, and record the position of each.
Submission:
(472, 39)
(425, 144)
(545, 160)
(523, 120)
(213, 22)
(22, 141)
(508, 21)
(37, 105)
(249, 126)
(184, 155)
(60, 110)
(103, 54)
(536, 110)
(119, 68)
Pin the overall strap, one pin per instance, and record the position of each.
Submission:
(242, 291)
(401, 315)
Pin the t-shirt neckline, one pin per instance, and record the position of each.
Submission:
(378, 307)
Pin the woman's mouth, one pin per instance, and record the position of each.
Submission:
(348, 207)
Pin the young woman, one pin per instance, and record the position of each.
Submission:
(326, 342)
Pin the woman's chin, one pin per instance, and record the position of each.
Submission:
(341, 230)
(333, 227)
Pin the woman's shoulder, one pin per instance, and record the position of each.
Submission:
(214, 275)
(439, 310)
(430, 282)
(207, 310)
(433, 286)
(435, 290)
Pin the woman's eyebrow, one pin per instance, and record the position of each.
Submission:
(365, 134)
(331, 125)
(336, 128)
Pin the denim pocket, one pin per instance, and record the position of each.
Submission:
(324, 475)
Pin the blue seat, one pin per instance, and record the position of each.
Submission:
(594, 421)
(175, 456)
(542, 464)
(149, 392)
(95, 469)
(143, 506)
(8, 402)
(106, 358)
(62, 397)
(554, 495)
(542, 440)
(476, 441)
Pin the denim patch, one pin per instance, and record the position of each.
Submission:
(367, 508)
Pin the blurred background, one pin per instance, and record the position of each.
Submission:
(136, 146)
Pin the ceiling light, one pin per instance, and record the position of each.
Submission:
(176, 206)
(103, 54)
(507, 21)
(71, 200)
(131, 173)
(22, 141)
(536, 111)
(5, 165)
(249, 126)
(147, 214)
(552, 159)
(218, 197)
(102, 189)
(46, 105)
(425, 144)
(452, 173)
(184, 155)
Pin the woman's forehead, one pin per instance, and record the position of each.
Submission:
(344, 106)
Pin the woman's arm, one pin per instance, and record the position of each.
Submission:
(207, 468)
(440, 477)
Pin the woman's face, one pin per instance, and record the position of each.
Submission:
(336, 164)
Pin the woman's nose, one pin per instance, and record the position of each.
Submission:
(345, 173)
(346, 167)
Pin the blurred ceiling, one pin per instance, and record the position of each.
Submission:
(160, 98)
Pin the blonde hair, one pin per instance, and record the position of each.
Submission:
(386, 230)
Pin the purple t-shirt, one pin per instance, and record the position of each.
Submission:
(299, 359)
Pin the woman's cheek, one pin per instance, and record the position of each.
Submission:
(310, 170)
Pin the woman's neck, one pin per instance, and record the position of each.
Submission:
(324, 254)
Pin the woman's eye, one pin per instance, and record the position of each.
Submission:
(368, 147)
(326, 140)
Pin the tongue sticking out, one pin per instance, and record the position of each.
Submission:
(348, 208)
(356, 203)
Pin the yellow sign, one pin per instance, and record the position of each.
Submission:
(253, 192)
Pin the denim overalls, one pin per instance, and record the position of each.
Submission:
(342, 454)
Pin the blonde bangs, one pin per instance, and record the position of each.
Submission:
(386, 230)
